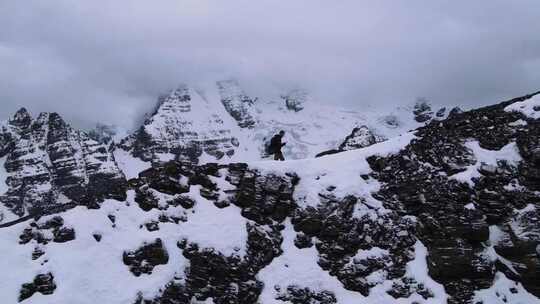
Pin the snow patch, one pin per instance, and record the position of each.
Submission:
(529, 107)
(130, 166)
(509, 153)
(210, 227)
(504, 291)
(3, 176)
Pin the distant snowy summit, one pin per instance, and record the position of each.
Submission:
(185, 124)
(225, 124)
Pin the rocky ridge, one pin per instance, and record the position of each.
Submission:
(448, 214)
(48, 163)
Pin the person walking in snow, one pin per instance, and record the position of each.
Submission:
(276, 145)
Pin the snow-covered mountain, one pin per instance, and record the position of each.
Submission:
(222, 123)
(447, 213)
(185, 124)
(46, 163)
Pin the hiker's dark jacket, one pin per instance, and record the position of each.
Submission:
(275, 144)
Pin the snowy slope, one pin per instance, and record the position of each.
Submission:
(316, 125)
(443, 214)
(88, 270)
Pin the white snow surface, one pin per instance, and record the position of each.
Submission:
(319, 127)
(130, 166)
(529, 107)
(500, 293)
(509, 153)
(87, 271)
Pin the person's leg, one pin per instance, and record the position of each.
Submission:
(276, 156)
(280, 156)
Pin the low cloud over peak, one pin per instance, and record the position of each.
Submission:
(108, 61)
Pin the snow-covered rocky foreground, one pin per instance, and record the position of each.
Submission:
(448, 213)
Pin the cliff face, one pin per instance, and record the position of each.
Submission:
(237, 103)
(45, 160)
(185, 125)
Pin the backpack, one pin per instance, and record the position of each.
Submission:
(271, 147)
(268, 148)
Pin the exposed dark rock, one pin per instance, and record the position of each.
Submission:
(422, 110)
(47, 158)
(340, 236)
(55, 225)
(405, 287)
(63, 235)
(441, 112)
(37, 253)
(263, 198)
(455, 111)
(416, 182)
(152, 226)
(43, 283)
(236, 102)
(146, 198)
(295, 99)
(144, 259)
(360, 137)
(298, 295)
(184, 201)
(303, 241)
(225, 279)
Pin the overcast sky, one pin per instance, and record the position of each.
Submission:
(108, 60)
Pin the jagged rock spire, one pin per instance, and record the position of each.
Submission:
(22, 119)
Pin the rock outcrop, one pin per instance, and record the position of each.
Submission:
(476, 219)
(295, 99)
(49, 163)
(237, 103)
(144, 259)
(42, 283)
(360, 137)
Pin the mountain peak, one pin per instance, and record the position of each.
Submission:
(185, 124)
(47, 158)
(22, 119)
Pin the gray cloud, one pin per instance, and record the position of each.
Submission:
(108, 60)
